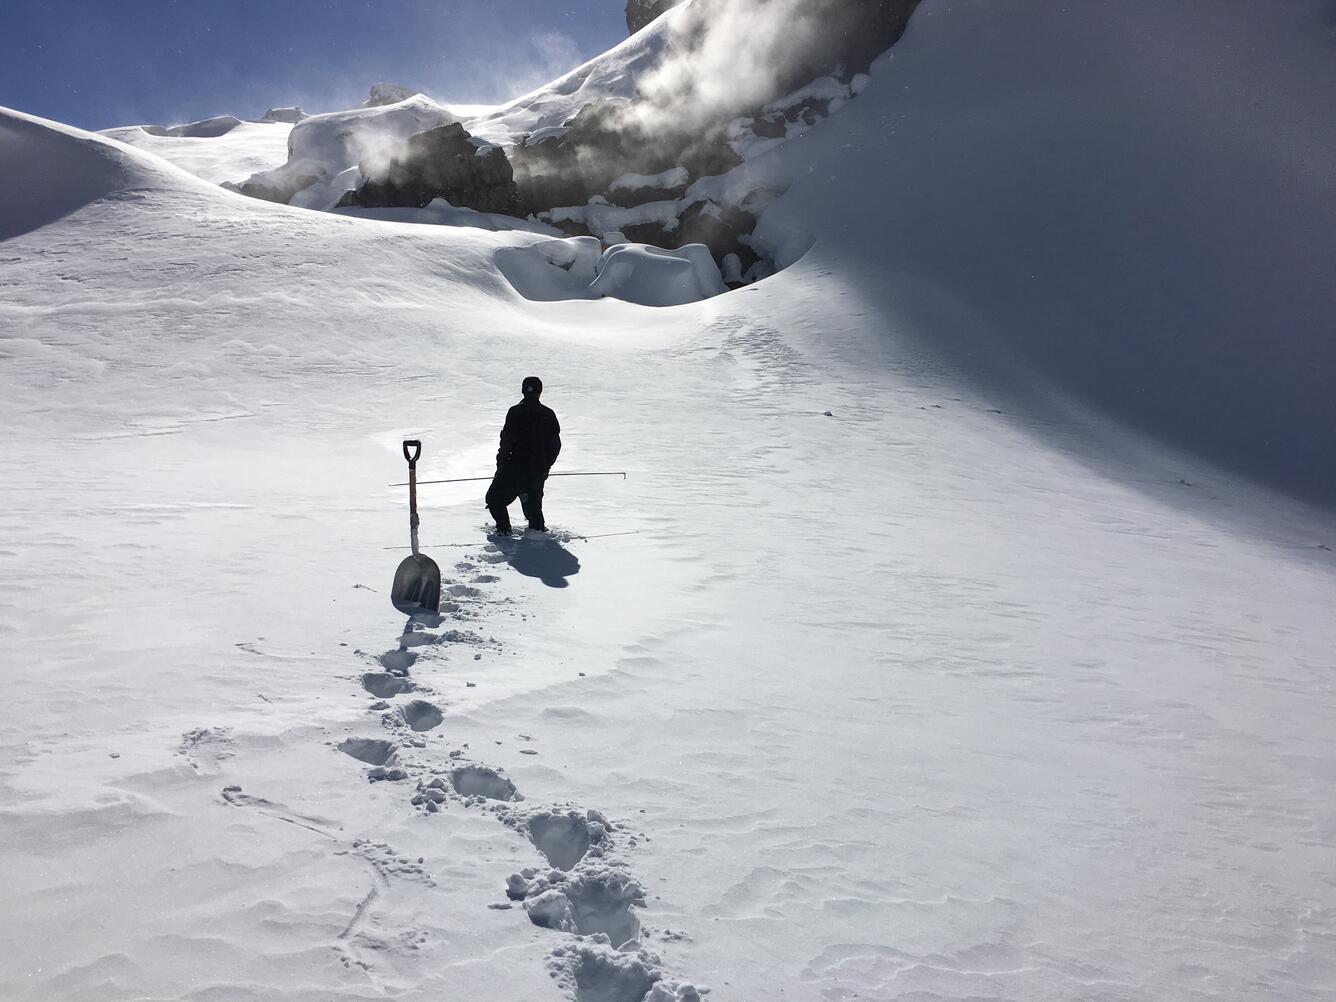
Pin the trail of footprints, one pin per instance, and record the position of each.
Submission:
(584, 891)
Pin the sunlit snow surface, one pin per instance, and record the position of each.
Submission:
(956, 691)
(245, 150)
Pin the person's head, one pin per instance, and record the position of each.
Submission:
(532, 388)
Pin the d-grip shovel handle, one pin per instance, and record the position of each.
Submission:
(412, 458)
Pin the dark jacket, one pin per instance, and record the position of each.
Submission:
(531, 438)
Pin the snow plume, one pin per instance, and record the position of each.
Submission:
(728, 57)
(512, 65)
(366, 137)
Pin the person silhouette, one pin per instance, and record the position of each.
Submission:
(530, 444)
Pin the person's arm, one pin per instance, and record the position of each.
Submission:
(554, 449)
(507, 439)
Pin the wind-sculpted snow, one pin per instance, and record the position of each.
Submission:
(246, 149)
(614, 74)
(635, 273)
(51, 171)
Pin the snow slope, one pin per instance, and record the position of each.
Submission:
(249, 148)
(1136, 203)
(957, 691)
(613, 75)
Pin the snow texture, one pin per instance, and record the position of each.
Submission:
(674, 177)
(635, 273)
(957, 633)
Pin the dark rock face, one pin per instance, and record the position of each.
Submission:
(274, 186)
(387, 93)
(629, 197)
(718, 227)
(292, 115)
(857, 32)
(641, 12)
(605, 141)
(443, 163)
(771, 126)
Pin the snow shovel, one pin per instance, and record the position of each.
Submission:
(417, 582)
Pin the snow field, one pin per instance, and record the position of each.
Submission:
(912, 677)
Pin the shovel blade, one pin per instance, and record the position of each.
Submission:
(417, 585)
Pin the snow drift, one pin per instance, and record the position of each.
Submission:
(52, 171)
(578, 268)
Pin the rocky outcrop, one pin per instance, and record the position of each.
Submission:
(641, 12)
(606, 141)
(719, 227)
(284, 115)
(442, 163)
(281, 183)
(387, 93)
(637, 189)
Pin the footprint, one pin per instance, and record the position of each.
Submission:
(601, 903)
(589, 904)
(597, 974)
(564, 839)
(421, 715)
(383, 685)
(372, 751)
(397, 661)
(479, 781)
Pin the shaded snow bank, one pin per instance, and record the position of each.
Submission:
(1134, 201)
(53, 170)
(578, 268)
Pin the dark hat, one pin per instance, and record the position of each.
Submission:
(532, 386)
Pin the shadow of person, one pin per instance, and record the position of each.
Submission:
(545, 559)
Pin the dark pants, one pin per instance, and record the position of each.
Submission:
(509, 484)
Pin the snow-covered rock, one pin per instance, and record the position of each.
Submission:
(323, 146)
(281, 184)
(383, 94)
(543, 135)
(323, 194)
(599, 217)
(633, 189)
(439, 212)
(441, 163)
(290, 115)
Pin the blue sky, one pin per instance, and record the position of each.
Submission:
(99, 63)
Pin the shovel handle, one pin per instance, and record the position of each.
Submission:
(412, 458)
